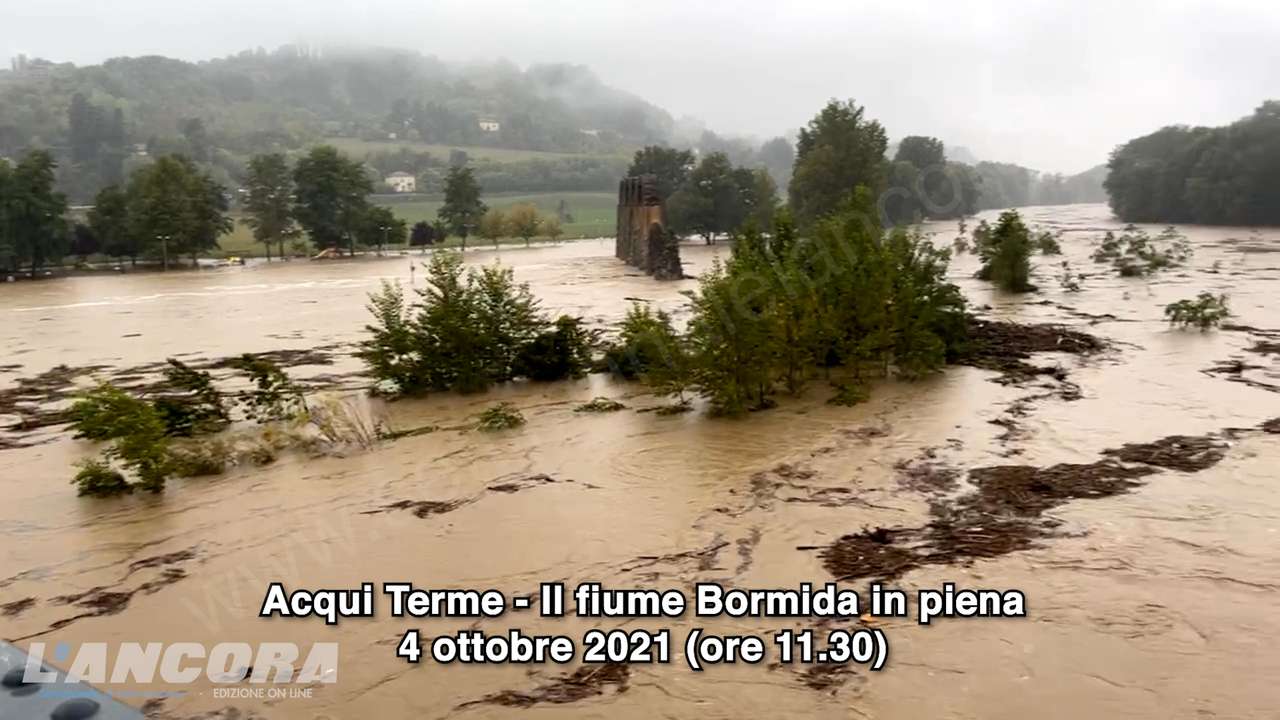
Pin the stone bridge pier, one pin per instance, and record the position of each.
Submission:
(643, 239)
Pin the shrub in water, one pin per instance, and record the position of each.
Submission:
(502, 416)
(1006, 254)
(600, 405)
(198, 459)
(97, 478)
(1205, 312)
(274, 395)
(556, 354)
(194, 405)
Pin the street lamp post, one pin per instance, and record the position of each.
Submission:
(164, 251)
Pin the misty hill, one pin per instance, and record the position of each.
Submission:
(293, 94)
(221, 111)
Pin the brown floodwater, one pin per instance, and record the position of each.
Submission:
(1158, 602)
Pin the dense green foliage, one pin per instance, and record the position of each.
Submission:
(670, 166)
(467, 331)
(563, 351)
(186, 404)
(1204, 312)
(850, 298)
(647, 347)
(268, 202)
(168, 208)
(192, 405)
(137, 434)
(330, 197)
(33, 231)
(96, 478)
(718, 198)
(1225, 175)
(175, 207)
(1006, 253)
(462, 207)
(923, 185)
(839, 150)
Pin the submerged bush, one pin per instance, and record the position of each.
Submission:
(198, 459)
(600, 405)
(1204, 312)
(1006, 254)
(556, 354)
(97, 478)
(1048, 243)
(850, 297)
(274, 396)
(850, 394)
(502, 416)
(646, 342)
(1134, 253)
(465, 332)
(106, 412)
(137, 433)
(194, 405)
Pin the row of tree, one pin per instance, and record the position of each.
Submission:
(1222, 175)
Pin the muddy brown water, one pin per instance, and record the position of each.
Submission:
(1158, 601)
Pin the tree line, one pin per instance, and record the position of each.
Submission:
(1220, 176)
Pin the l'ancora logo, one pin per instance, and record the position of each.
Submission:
(182, 663)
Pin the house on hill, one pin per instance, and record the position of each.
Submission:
(489, 124)
(401, 182)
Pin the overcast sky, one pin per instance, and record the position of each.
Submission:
(1050, 85)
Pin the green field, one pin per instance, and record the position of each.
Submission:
(359, 148)
(593, 216)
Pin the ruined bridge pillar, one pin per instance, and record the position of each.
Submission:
(643, 240)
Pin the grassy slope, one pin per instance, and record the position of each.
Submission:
(593, 216)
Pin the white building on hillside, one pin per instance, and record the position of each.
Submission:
(401, 182)
(490, 125)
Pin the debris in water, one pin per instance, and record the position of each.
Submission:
(420, 508)
(586, 682)
(1005, 347)
(1027, 490)
(1177, 452)
(17, 607)
(1003, 514)
(826, 677)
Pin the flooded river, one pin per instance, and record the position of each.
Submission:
(1158, 602)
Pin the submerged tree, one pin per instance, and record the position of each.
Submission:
(1006, 254)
